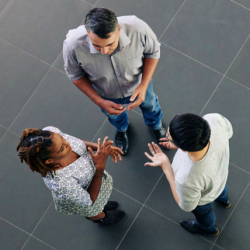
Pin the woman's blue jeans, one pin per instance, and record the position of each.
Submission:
(205, 215)
(150, 108)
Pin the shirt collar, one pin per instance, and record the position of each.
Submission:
(123, 41)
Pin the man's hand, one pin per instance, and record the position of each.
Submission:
(112, 108)
(115, 152)
(159, 159)
(140, 94)
(168, 144)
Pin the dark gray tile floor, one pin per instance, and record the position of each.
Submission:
(204, 68)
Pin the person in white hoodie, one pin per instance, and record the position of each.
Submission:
(199, 171)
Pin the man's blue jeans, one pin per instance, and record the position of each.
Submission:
(205, 215)
(150, 108)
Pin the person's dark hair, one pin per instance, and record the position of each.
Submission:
(101, 21)
(34, 149)
(189, 132)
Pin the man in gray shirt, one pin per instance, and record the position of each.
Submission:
(199, 170)
(112, 61)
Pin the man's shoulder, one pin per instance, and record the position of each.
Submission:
(215, 120)
(76, 37)
(131, 23)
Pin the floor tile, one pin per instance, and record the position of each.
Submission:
(20, 75)
(39, 27)
(145, 10)
(182, 85)
(212, 32)
(162, 201)
(244, 3)
(24, 196)
(216, 248)
(2, 132)
(131, 176)
(34, 244)
(57, 102)
(240, 69)
(3, 4)
(92, 2)
(75, 232)
(233, 101)
(11, 237)
(59, 63)
(236, 233)
(152, 231)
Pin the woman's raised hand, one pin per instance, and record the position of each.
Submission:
(102, 153)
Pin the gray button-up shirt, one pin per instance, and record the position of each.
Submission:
(116, 75)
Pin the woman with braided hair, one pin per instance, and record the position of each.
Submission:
(74, 174)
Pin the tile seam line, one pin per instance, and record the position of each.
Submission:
(32, 92)
(29, 98)
(42, 242)
(3, 126)
(139, 212)
(178, 224)
(191, 58)
(96, 3)
(99, 129)
(87, 3)
(26, 52)
(14, 225)
(160, 214)
(240, 5)
(238, 82)
(172, 19)
(225, 74)
(14, 133)
(4, 7)
(127, 196)
(24, 231)
(238, 167)
(203, 64)
(230, 215)
(37, 225)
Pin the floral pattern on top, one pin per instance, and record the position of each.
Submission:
(70, 184)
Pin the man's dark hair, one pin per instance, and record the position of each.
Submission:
(189, 132)
(101, 21)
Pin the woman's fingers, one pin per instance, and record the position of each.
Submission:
(91, 152)
(109, 143)
(105, 141)
(108, 149)
(119, 156)
(99, 143)
(120, 151)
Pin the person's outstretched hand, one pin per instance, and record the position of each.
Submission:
(158, 158)
(167, 144)
(116, 153)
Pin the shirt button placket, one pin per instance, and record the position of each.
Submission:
(117, 73)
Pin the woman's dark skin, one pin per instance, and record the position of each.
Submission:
(61, 153)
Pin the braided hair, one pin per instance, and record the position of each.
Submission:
(35, 148)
